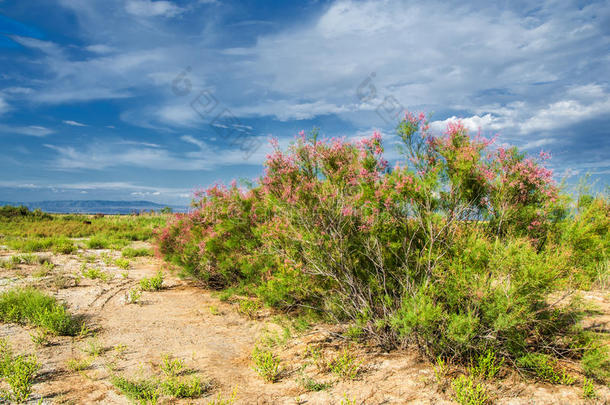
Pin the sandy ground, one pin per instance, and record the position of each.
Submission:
(215, 341)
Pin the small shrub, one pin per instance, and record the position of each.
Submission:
(468, 392)
(97, 242)
(152, 284)
(266, 364)
(133, 252)
(440, 370)
(310, 384)
(18, 371)
(588, 389)
(545, 368)
(596, 363)
(94, 273)
(79, 364)
(220, 400)
(140, 390)
(133, 296)
(27, 305)
(346, 366)
(93, 348)
(64, 246)
(249, 308)
(186, 388)
(486, 365)
(171, 367)
(40, 337)
(122, 263)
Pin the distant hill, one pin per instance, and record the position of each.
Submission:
(94, 206)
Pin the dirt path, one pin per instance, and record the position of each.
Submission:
(215, 342)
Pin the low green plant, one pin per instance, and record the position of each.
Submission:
(347, 400)
(97, 242)
(249, 308)
(152, 284)
(93, 347)
(40, 337)
(486, 365)
(214, 310)
(142, 391)
(94, 273)
(106, 258)
(266, 364)
(467, 391)
(596, 363)
(18, 371)
(136, 252)
(44, 270)
(122, 263)
(171, 367)
(30, 306)
(79, 364)
(440, 370)
(133, 296)
(310, 384)
(545, 368)
(588, 389)
(220, 400)
(64, 246)
(346, 366)
(193, 387)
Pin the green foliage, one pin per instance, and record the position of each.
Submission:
(94, 273)
(122, 263)
(249, 308)
(40, 337)
(133, 252)
(346, 366)
(18, 371)
(171, 367)
(467, 391)
(133, 296)
(27, 305)
(588, 389)
(266, 364)
(193, 387)
(152, 284)
(486, 365)
(79, 364)
(142, 391)
(310, 384)
(545, 368)
(596, 363)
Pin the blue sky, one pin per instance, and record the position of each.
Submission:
(142, 99)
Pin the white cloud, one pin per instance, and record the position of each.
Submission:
(564, 113)
(475, 123)
(30, 130)
(4, 107)
(74, 123)
(148, 8)
(100, 48)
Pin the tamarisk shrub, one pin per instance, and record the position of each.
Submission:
(448, 250)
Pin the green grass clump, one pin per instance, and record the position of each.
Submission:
(310, 384)
(171, 367)
(30, 306)
(185, 388)
(469, 392)
(95, 273)
(346, 366)
(122, 263)
(596, 363)
(545, 368)
(588, 389)
(486, 365)
(18, 371)
(133, 252)
(79, 364)
(143, 391)
(152, 284)
(266, 364)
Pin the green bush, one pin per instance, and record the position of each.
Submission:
(467, 391)
(132, 252)
(545, 368)
(18, 371)
(460, 249)
(27, 305)
(153, 283)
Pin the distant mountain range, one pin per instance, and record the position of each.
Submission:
(94, 206)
